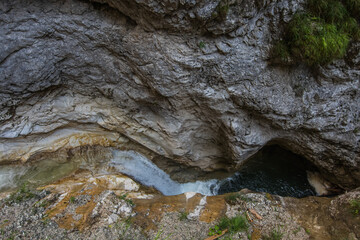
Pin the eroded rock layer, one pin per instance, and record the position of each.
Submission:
(182, 78)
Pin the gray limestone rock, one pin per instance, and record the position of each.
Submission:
(174, 77)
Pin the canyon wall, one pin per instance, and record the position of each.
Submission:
(186, 79)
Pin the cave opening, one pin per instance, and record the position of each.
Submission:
(274, 170)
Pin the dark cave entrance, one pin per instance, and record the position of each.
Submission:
(273, 170)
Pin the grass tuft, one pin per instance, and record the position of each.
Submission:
(274, 235)
(235, 224)
(355, 206)
(232, 198)
(22, 194)
(183, 216)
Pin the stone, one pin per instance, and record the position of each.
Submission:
(119, 70)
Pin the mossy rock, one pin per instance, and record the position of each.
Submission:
(314, 41)
(319, 35)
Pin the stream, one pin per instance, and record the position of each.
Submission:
(271, 171)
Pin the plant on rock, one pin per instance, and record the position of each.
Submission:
(22, 194)
(355, 206)
(232, 225)
(320, 34)
(314, 41)
(274, 235)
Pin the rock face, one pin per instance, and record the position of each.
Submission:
(189, 80)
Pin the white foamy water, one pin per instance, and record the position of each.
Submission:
(147, 173)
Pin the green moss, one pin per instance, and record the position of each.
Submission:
(332, 11)
(221, 10)
(355, 206)
(342, 14)
(320, 34)
(314, 41)
(353, 7)
(280, 52)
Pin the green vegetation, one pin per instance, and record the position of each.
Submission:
(24, 193)
(269, 196)
(41, 204)
(297, 230)
(201, 44)
(353, 6)
(355, 206)
(233, 225)
(45, 220)
(72, 199)
(183, 216)
(221, 10)
(233, 197)
(123, 228)
(356, 130)
(341, 14)
(214, 231)
(127, 200)
(274, 235)
(280, 53)
(159, 233)
(320, 34)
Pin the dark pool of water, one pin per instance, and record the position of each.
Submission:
(273, 170)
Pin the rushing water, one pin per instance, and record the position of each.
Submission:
(141, 169)
(270, 171)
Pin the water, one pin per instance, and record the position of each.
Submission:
(272, 170)
(44, 172)
(141, 169)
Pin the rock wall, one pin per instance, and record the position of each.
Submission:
(183, 78)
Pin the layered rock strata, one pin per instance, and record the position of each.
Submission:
(185, 79)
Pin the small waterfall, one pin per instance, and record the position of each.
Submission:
(143, 170)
